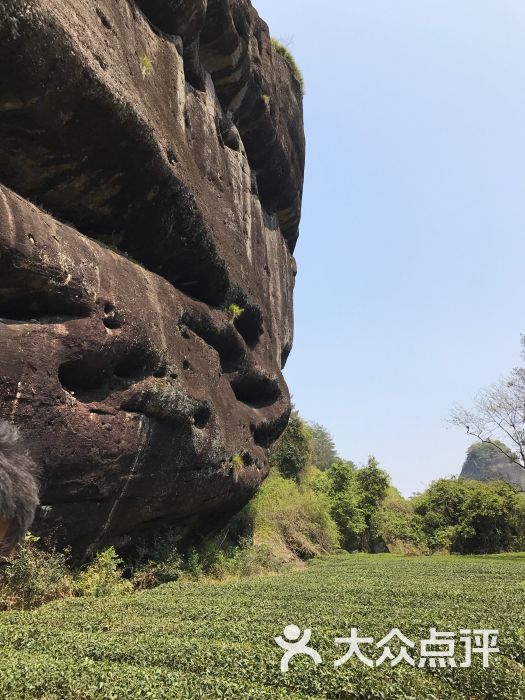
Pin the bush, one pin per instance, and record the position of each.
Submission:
(157, 562)
(255, 560)
(397, 526)
(212, 558)
(193, 565)
(103, 577)
(291, 519)
(219, 560)
(34, 577)
(235, 311)
(340, 486)
(292, 452)
(155, 573)
(236, 466)
(471, 517)
(146, 65)
(354, 496)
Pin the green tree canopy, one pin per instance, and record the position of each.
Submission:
(324, 453)
(340, 484)
(354, 494)
(396, 525)
(292, 452)
(472, 517)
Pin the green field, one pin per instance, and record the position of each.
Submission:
(215, 640)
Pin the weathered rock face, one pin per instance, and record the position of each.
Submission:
(171, 142)
(486, 462)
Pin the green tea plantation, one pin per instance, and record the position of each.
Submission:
(216, 640)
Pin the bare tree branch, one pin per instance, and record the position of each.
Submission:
(498, 416)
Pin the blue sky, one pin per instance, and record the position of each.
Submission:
(409, 296)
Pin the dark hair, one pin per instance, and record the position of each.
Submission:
(18, 487)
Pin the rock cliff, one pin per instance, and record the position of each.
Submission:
(151, 167)
(486, 462)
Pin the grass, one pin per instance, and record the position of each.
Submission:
(285, 52)
(215, 640)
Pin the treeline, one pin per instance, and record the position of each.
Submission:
(358, 509)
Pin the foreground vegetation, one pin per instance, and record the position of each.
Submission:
(215, 639)
(199, 622)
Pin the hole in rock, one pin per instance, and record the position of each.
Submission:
(247, 459)
(265, 434)
(111, 320)
(224, 341)
(112, 323)
(38, 304)
(256, 390)
(130, 367)
(85, 376)
(160, 371)
(249, 325)
(202, 417)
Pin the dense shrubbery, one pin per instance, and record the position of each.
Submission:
(34, 577)
(292, 452)
(452, 515)
(292, 519)
(396, 525)
(102, 577)
(471, 517)
(354, 496)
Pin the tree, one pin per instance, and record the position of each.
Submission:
(340, 484)
(324, 453)
(396, 525)
(292, 452)
(355, 495)
(373, 485)
(498, 416)
(472, 517)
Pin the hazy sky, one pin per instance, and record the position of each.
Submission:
(409, 295)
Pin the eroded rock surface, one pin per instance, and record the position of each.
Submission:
(486, 462)
(151, 164)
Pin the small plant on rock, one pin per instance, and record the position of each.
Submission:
(235, 311)
(235, 466)
(146, 65)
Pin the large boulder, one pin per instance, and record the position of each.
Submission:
(151, 165)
